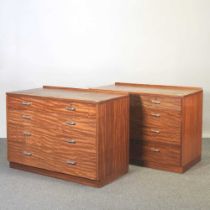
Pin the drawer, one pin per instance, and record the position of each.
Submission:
(61, 159)
(69, 144)
(81, 164)
(156, 134)
(156, 118)
(70, 108)
(44, 137)
(80, 126)
(66, 107)
(25, 103)
(20, 117)
(53, 122)
(30, 155)
(156, 152)
(155, 102)
(23, 134)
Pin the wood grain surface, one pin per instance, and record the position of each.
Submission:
(147, 89)
(113, 132)
(64, 138)
(75, 94)
(156, 152)
(192, 128)
(167, 119)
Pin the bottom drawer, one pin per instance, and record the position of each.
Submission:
(155, 152)
(30, 155)
(82, 164)
(77, 164)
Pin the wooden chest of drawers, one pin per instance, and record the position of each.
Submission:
(165, 125)
(74, 134)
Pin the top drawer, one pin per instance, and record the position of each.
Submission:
(49, 105)
(156, 102)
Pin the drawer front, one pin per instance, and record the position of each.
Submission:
(156, 152)
(81, 125)
(53, 122)
(69, 107)
(156, 118)
(20, 118)
(82, 164)
(31, 155)
(75, 144)
(70, 162)
(156, 102)
(23, 134)
(25, 103)
(41, 137)
(155, 134)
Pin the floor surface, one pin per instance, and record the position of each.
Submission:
(141, 189)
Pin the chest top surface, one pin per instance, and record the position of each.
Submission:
(76, 94)
(152, 89)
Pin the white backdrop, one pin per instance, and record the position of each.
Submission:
(86, 43)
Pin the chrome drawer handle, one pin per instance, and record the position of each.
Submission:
(27, 153)
(26, 133)
(70, 123)
(27, 117)
(71, 162)
(71, 141)
(155, 114)
(70, 108)
(26, 103)
(155, 131)
(155, 149)
(155, 101)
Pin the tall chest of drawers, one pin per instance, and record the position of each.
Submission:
(73, 134)
(165, 125)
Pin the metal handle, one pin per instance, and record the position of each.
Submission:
(70, 108)
(70, 123)
(26, 103)
(155, 131)
(27, 153)
(27, 117)
(71, 162)
(26, 133)
(71, 141)
(155, 149)
(155, 101)
(155, 114)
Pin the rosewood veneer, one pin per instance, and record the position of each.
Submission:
(69, 133)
